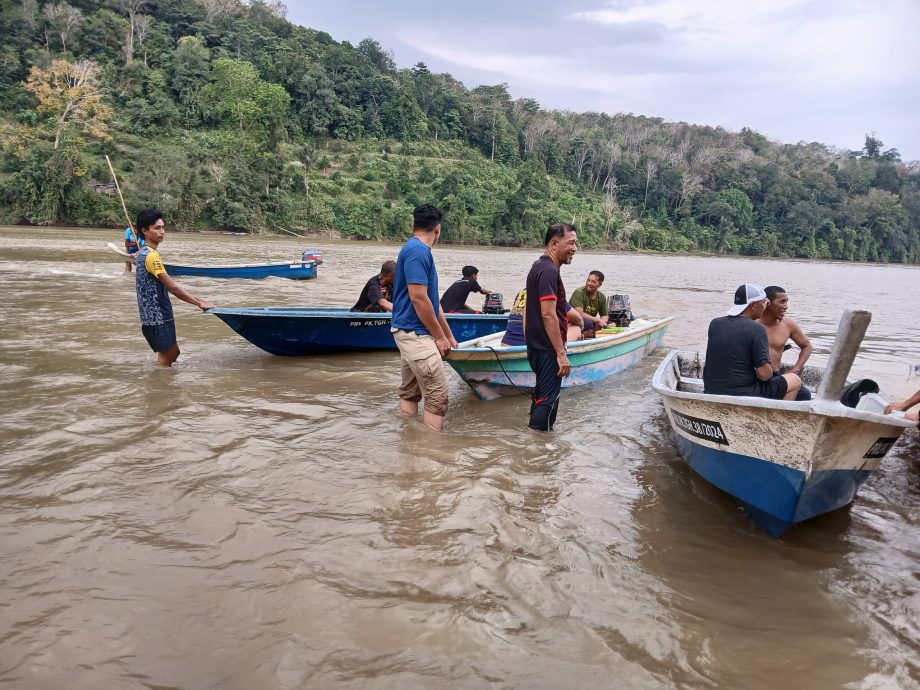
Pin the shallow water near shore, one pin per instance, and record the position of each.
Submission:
(249, 521)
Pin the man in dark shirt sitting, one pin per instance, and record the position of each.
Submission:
(375, 296)
(738, 353)
(453, 301)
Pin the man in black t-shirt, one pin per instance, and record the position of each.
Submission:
(453, 301)
(375, 297)
(738, 354)
(545, 324)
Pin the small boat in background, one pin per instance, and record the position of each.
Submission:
(785, 461)
(293, 331)
(294, 270)
(277, 268)
(492, 370)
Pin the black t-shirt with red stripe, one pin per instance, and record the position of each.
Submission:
(544, 282)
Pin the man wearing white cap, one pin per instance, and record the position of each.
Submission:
(738, 352)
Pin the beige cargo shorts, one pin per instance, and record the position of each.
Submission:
(423, 375)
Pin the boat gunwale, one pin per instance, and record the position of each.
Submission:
(286, 265)
(823, 408)
(465, 352)
(275, 263)
(326, 312)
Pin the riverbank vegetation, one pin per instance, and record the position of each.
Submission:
(225, 115)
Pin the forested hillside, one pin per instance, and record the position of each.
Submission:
(225, 115)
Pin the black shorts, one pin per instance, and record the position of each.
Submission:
(160, 337)
(775, 388)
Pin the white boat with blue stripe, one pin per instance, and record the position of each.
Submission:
(785, 461)
(493, 370)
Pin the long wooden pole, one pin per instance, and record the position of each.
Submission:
(123, 207)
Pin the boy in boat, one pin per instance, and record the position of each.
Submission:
(514, 330)
(591, 303)
(780, 329)
(738, 353)
(419, 327)
(131, 247)
(453, 301)
(375, 297)
(545, 315)
(153, 286)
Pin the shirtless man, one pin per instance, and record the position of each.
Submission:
(780, 329)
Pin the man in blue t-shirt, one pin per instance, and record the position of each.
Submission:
(131, 246)
(419, 327)
(738, 353)
(546, 324)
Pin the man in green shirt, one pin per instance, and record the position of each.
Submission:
(591, 303)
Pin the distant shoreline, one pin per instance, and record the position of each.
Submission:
(335, 235)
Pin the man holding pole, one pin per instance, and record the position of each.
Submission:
(153, 286)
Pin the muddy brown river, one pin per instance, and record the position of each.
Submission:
(246, 521)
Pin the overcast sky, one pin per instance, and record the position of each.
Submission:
(794, 70)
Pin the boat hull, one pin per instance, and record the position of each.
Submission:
(302, 331)
(786, 462)
(295, 270)
(506, 371)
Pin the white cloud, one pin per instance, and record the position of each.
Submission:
(815, 70)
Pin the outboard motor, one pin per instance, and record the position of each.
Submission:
(494, 304)
(618, 310)
(312, 255)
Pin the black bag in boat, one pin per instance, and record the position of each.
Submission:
(854, 391)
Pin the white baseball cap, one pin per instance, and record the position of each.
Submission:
(745, 295)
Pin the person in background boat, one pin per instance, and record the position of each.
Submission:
(375, 297)
(131, 246)
(780, 329)
(453, 301)
(591, 303)
(514, 330)
(904, 406)
(738, 352)
(419, 327)
(546, 324)
(152, 285)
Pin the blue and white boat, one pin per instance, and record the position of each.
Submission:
(492, 370)
(294, 270)
(785, 461)
(294, 331)
(303, 269)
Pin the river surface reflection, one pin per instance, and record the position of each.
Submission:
(248, 521)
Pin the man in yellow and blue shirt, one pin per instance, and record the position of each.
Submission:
(153, 286)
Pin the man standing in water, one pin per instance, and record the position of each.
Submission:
(545, 324)
(419, 327)
(153, 284)
(780, 329)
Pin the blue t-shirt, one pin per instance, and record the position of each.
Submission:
(414, 266)
(130, 237)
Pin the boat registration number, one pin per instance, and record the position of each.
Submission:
(880, 448)
(701, 428)
(368, 322)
